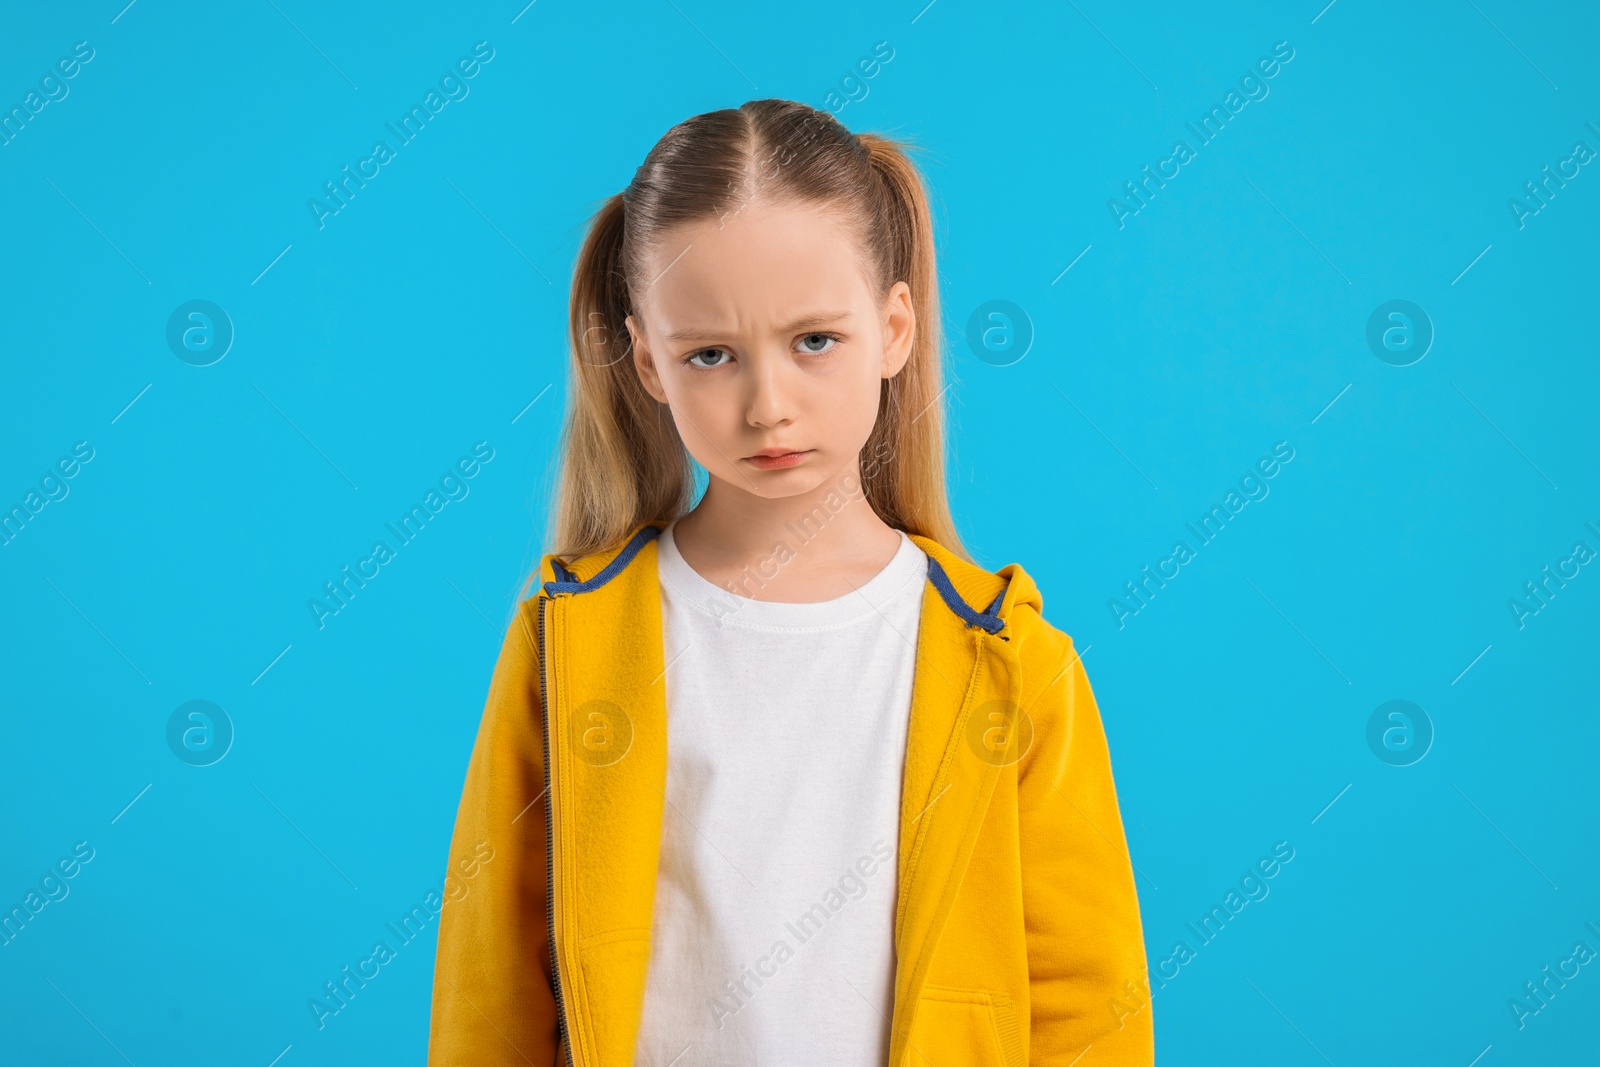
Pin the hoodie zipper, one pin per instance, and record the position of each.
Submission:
(564, 1050)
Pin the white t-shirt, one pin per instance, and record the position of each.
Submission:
(773, 939)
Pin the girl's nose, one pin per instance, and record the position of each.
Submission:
(771, 391)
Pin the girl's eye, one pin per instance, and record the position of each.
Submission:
(807, 343)
(706, 352)
(811, 338)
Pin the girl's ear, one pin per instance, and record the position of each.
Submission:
(643, 362)
(899, 328)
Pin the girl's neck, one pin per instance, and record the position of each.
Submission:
(814, 546)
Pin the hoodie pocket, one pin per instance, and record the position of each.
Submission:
(965, 1028)
(613, 964)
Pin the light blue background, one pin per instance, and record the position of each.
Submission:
(1227, 315)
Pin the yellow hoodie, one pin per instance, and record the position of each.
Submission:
(1017, 934)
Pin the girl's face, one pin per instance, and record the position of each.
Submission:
(760, 332)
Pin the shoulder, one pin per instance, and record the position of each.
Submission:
(1009, 595)
(578, 572)
(1043, 648)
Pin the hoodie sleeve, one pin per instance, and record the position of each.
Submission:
(492, 1003)
(1086, 960)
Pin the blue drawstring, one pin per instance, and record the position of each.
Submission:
(987, 619)
(567, 581)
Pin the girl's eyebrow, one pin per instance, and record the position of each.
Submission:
(805, 322)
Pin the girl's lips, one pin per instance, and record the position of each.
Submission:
(772, 463)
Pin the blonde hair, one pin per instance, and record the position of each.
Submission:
(622, 462)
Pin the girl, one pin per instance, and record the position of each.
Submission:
(781, 776)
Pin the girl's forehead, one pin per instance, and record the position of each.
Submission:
(752, 273)
(710, 315)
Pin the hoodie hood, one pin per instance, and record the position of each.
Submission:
(982, 598)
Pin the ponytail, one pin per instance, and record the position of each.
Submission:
(903, 460)
(624, 463)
